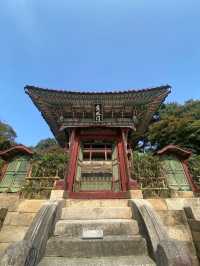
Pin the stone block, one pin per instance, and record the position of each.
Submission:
(173, 217)
(8, 200)
(57, 194)
(11, 233)
(196, 212)
(96, 213)
(17, 253)
(14, 206)
(158, 204)
(175, 203)
(182, 194)
(96, 203)
(109, 246)
(3, 213)
(192, 202)
(194, 225)
(189, 245)
(98, 261)
(3, 247)
(179, 232)
(18, 218)
(73, 228)
(197, 245)
(196, 236)
(30, 205)
(171, 253)
(135, 194)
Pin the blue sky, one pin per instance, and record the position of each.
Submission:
(94, 45)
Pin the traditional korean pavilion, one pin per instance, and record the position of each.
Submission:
(95, 128)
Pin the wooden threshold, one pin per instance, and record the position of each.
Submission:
(98, 195)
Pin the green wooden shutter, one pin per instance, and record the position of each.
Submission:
(7, 180)
(175, 173)
(23, 165)
(16, 172)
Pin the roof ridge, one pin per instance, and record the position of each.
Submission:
(164, 87)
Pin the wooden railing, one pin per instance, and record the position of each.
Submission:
(154, 187)
(96, 183)
(38, 187)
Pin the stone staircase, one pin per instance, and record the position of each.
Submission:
(173, 217)
(18, 219)
(121, 244)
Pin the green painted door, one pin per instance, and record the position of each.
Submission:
(176, 177)
(16, 172)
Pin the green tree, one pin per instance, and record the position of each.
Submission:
(178, 124)
(49, 159)
(46, 144)
(194, 166)
(7, 135)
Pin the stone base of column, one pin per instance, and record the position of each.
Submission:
(57, 194)
(182, 194)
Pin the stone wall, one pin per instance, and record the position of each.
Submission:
(3, 212)
(194, 223)
(195, 229)
(19, 216)
(173, 216)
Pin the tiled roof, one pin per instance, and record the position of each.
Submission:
(113, 91)
(51, 103)
(176, 150)
(15, 150)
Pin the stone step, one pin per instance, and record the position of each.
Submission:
(3, 247)
(30, 205)
(92, 213)
(60, 246)
(19, 218)
(173, 217)
(196, 211)
(12, 233)
(103, 261)
(96, 203)
(73, 228)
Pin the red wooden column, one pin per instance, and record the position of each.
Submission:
(73, 151)
(3, 170)
(122, 162)
(188, 175)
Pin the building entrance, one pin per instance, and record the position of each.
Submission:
(97, 167)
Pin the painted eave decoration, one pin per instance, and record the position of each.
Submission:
(58, 108)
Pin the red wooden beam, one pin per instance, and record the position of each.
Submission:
(98, 195)
(189, 177)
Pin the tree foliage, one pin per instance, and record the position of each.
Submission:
(194, 166)
(45, 144)
(7, 136)
(49, 159)
(150, 174)
(145, 165)
(178, 124)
